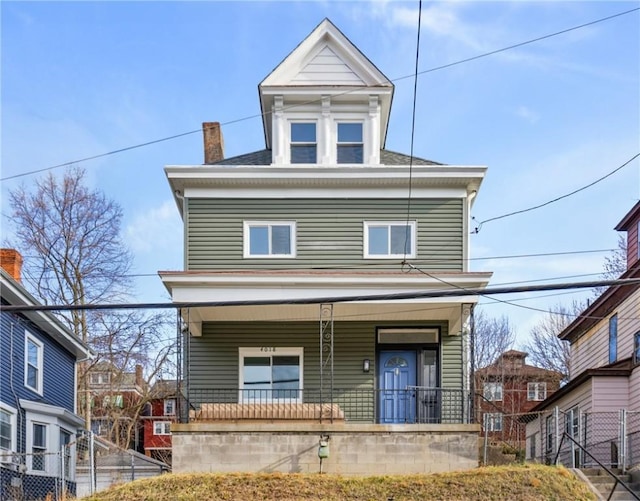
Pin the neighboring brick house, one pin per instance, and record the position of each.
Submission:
(161, 413)
(38, 420)
(117, 401)
(507, 389)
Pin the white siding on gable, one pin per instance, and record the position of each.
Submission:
(327, 68)
(610, 393)
(592, 349)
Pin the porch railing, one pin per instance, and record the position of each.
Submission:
(411, 405)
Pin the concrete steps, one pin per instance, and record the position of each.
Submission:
(603, 483)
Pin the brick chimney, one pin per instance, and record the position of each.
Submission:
(213, 142)
(139, 378)
(11, 262)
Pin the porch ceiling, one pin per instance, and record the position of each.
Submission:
(190, 287)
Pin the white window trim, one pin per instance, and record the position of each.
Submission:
(6, 455)
(494, 394)
(163, 430)
(535, 387)
(247, 239)
(269, 351)
(367, 224)
(165, 407)
(29, 337)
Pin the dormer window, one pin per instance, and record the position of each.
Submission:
(350, 144)
(304, 145)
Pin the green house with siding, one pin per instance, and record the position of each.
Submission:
(318, 278)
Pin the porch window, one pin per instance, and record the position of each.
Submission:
(39, 447)
(389, 239)
(304, 144)
(492, 391)
(270, 374)
(269, 239)
(613, 339)
(350, 145)
(162, 428)
(536, 391)
(65, 446)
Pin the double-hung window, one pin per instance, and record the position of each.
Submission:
(636, 348)
(389, 239)
(162, 428)
(536, 391)
(270, 374)
(170, 407)
(304, 144)
(39, 447)
(6, 431)
(65, 446)
(265, 239)
(33, 362)
(350, 145)
(492, 391)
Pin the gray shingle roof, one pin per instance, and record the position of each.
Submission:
(263, 157)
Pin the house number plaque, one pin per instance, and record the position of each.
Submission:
(268, 349)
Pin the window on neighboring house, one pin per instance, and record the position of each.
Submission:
(532, 446)
(392, 239)
(350, 145)
(65, 446)
(536, 391)
(33, 363)
(493, 391)
(162, 428)
(100, 378)
(6, 431)
(113, 401)
(493, 421)
(269, 239)
(170, 407)
(304, 145)
(550, 432)
(39, 447)
(636, 348)
(613, 339)
(271, 374)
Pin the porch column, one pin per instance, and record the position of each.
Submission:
(326, 355)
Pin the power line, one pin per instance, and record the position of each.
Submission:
(249, 117)
(479, 227)
(459, 292)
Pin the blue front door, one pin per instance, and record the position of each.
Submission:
(396, 372)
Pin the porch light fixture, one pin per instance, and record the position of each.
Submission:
(366, 365)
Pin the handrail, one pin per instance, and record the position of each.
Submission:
(617, 479)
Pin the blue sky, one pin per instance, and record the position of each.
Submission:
(84, 78)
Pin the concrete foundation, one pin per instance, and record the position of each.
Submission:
(367, 449)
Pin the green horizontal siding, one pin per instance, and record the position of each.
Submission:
(329, 232)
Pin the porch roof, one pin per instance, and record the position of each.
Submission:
(364, 295)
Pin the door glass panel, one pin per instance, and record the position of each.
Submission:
(429, 368)
(396, 362)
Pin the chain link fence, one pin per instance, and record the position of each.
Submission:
(612, 437)
(80, 468)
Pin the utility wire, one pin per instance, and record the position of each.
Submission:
(249, 117)
(457, 292)
(479, 227)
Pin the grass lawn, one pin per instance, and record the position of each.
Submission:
(513, 483)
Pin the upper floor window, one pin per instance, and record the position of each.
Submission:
(613, 339)
(170, 407)
(536, 391)
(350, 144)
(392, 239)
(636, 348)
(493, 422)
(269, 239)
(100, 378)
(304, 144)
(492, 391)
(33, 363)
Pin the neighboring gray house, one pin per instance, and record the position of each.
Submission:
(324, 212)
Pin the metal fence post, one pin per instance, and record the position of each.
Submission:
(623, 440)
(92, 467)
